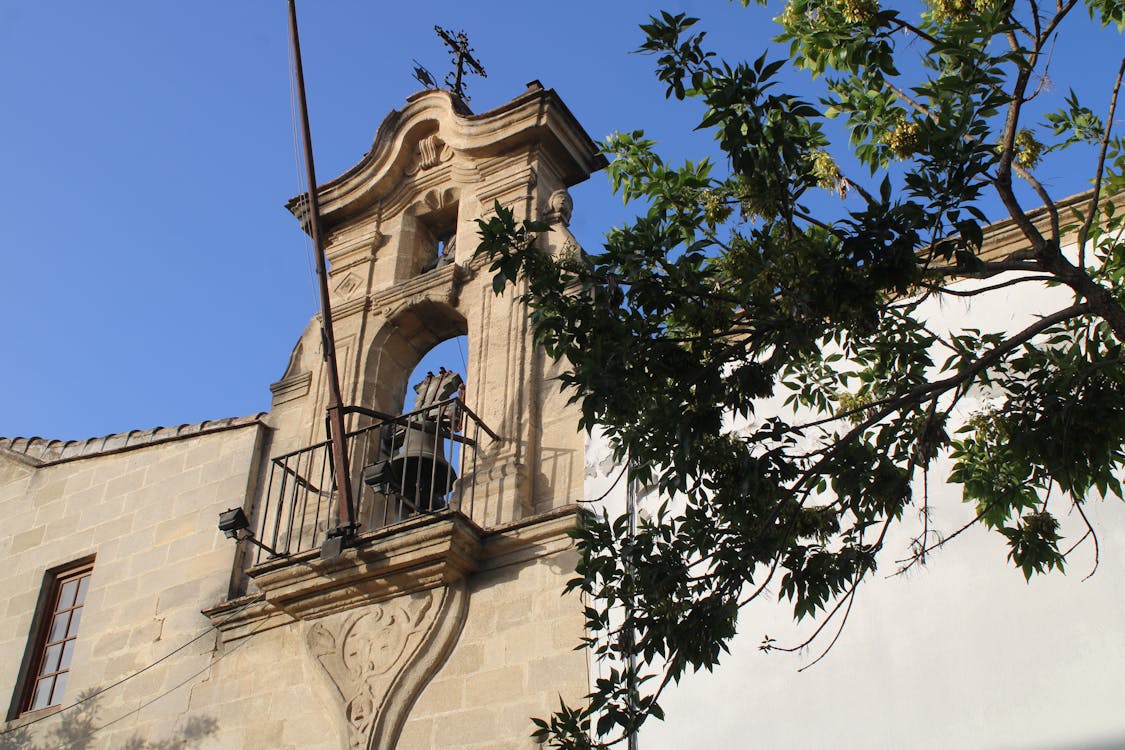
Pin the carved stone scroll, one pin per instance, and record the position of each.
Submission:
(379, 658)
(431, 151)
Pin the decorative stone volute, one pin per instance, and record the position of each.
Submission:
(431, 151)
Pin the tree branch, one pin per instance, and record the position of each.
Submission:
(907, 26)
(1052, 209)
(921, 109)
(1003, 179)
(988, 268)
(974, 292)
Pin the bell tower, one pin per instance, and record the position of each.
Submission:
(441, 622)
(401, 232)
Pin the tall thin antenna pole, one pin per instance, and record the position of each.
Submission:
(631, 509)
(345, 511)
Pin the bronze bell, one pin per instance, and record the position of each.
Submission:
(420, 470)
(419, 473)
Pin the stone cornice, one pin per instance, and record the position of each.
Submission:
(540, 535)
(245, 616)
(19, 457)
(518, 182)
(291, 387)
(423, 553)
(1002, 238)
(342, 310)
(436, 283)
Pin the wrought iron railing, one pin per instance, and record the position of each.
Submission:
(399, 467)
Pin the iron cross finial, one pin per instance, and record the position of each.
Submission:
(462, 55)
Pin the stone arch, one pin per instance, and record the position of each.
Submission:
(428, 231)
(407, 333)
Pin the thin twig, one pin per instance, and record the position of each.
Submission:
(1043, 77)
(921, 109)
(926, 550)
(839, 632)
(1092, 533)
(1035, 17)
(605, 494)
(1085, 231)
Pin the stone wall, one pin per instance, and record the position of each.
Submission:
(514, 659)
(149, 516)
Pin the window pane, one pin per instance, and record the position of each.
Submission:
(67, 653)
(75, 618)
(51, 659)
(66, 596)
(60, 686)
(42, 697)
(58, 627)
(54, 642)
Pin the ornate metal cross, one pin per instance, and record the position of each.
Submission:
(462, 55)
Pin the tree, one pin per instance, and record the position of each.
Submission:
(729, 289)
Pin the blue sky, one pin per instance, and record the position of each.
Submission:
(151, 275)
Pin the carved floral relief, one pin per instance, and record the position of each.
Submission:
(380, 657)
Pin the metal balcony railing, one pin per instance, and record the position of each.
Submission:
(400, 467)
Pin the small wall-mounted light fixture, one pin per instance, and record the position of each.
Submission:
(234, 520)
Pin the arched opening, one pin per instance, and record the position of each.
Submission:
(411, 337)
(428, 235)
(437, 245)
(450, 355)
(412, 458)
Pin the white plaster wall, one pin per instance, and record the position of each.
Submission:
(961, 653)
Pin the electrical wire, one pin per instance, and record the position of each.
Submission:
(208, 631)
(302, 186)
(461, 351)
(210, 664)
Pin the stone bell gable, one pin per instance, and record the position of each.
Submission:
(401, 232)
(443, 625)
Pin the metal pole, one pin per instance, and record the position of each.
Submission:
(631, 507)
(345, 509)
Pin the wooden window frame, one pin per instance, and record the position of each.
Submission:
(59, 644)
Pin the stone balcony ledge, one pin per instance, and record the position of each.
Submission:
(423, 553)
